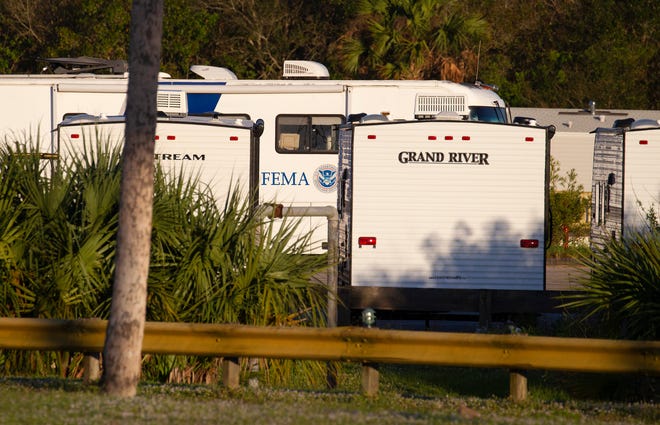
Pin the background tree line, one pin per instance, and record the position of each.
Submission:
(544, 53)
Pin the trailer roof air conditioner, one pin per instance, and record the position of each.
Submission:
(308, 70)
(172, 103)
(429, 106)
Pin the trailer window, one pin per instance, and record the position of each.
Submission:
(306, 133)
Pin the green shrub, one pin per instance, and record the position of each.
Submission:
(623, 286)
(210, 263)
(568, 207)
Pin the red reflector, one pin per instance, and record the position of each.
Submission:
(643, 142)
(529, 139)
(529, 243)
(367, 240)
(465, 138)
(171, 137)
(433, 138)
(233, 138)
(157, 137)
(449, 137)
(371, 136)
(75, 136)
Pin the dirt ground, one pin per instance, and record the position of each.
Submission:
(563, 277)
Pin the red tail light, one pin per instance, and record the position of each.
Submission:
(529, 243)
(367, 241)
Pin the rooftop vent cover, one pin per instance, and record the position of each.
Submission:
(213, 72)
(305, 70)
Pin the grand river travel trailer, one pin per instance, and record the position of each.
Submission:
(443, 204)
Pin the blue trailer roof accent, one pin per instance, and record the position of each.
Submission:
(199, 103)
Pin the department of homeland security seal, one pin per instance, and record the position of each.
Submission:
(325, 178)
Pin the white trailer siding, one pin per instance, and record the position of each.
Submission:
(642, 176)
(456, 220)
(215, 152)
(31, 108)
(26, 115)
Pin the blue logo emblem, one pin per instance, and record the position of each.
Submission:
(325, 178)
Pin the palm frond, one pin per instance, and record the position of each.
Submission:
(624, 284)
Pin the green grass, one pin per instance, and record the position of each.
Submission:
(408, 395)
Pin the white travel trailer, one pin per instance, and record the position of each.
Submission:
(443, 204)
(221, 153)
(298, 160)
(626, 181)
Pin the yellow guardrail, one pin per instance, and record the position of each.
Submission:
(370, 346)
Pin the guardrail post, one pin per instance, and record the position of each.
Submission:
(370, 376)
(518, 384)
(92, 367)
(231, 371)
(485, 308)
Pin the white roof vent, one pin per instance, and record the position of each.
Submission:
(213, 72)
(172, 103)
(373, 118)
(645, 123)
(305, 70)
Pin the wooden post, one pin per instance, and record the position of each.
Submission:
(370, 377)
(518, 384)
(231, 371)
(331, 375)
(485, 308)
(92, 367)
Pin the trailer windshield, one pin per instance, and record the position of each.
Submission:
(488, 114)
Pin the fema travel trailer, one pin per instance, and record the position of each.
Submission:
(221, 153)
(298, 160)
(442, 204)
(625, 181)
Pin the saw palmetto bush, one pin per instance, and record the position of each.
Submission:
(622, 290)
(210, 263)
(66, 220)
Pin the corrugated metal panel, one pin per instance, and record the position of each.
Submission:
(607, 199)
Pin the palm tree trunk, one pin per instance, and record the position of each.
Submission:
(123, 346)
